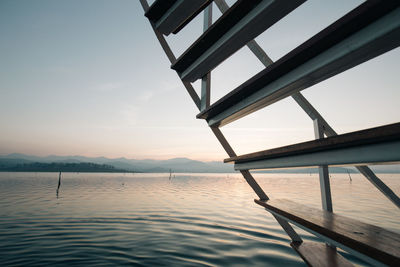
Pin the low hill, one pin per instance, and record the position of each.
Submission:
(176, 165)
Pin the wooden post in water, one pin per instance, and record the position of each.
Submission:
(59, 183)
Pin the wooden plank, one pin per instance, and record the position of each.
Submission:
(368, 31)
(191, 17)
(158, 9)
(369, 154)
(244, 21)
(319, 254)
(172, 15)
(372, 241)
(369, 136)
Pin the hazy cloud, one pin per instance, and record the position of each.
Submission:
(146, 95)
(108, 86)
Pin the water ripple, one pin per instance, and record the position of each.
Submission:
(111, 219)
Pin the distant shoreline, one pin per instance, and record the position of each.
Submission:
(62, 167)
(28, 163)
(73, 171)
(133, 172)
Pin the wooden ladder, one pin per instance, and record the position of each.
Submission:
(364, 33)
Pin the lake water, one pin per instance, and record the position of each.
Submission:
(149, 220)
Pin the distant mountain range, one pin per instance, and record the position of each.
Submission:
(21, 162)
(177, 165)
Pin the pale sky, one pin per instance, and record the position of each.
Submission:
(88, 77)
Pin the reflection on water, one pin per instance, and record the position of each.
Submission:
(149, 219)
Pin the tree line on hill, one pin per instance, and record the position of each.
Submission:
(61, 167)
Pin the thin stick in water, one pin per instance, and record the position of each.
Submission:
(59, 183)
(349, 175)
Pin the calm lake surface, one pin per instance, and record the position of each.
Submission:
(149, 220)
